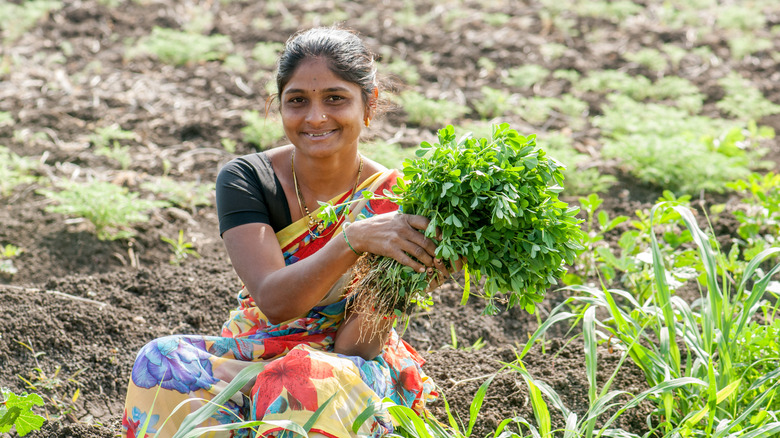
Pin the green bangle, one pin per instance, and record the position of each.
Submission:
(344, 233)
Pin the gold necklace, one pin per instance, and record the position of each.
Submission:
(319, 225)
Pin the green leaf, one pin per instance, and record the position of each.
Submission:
(19, 413)
(476, 403)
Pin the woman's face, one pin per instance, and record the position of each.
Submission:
(322, 113)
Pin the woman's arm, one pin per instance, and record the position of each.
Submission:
(285, 292)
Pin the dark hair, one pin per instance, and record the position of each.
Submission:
(343, 50)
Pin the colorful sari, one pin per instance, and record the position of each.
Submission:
(301, 371)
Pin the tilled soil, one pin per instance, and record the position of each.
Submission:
(79, 308)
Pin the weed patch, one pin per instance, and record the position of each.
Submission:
(110, 208)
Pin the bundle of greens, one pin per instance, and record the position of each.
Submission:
(495, 203)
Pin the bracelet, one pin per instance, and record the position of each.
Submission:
(344, 233)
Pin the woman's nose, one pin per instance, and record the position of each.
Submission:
(316, 115)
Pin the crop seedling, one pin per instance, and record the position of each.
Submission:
(748, 44)
(658, 142)
(188, 195)
(675, 54)
(494, 103)
(495, 203)
(229, 145)
(614, 11)
(110, 208)
(390, 155)
(19, 18)
(759, 219)
(179, 48)
(604, 81)
(401, 69)
(552, 51)
(649, 58)
(743, 100)
(7, 253)
(118, 153)
(261, 131)
(429, 112)
(266, 53)
(330, 18)
(582, 178)
(14, 171)
(571, 76)
(408, 16)
(6, 119)
(104, 136)
(525, 76)
(181, 249)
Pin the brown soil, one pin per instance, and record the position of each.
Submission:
(78, 309)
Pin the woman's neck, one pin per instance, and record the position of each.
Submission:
(327, 177)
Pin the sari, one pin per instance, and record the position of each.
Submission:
(300, 374)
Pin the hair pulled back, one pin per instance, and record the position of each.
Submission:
(346, 55)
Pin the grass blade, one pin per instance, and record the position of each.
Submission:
(367, 413)
(759, 288)
(453, 424)
(284, 424)
(591, 358)
(313, 419)
(747, 412)
(552, 319)
(145, 426)
(661, 388)
(206, 411)
(476, 404)
(663, 296)
(766, 430)
(409, 420)
(539, 406)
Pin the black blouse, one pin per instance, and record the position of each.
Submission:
(248, 191)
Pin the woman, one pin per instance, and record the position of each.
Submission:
(292, 312)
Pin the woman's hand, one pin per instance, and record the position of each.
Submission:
(439, 273)
(398, 236)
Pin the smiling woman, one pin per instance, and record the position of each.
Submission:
(293, 315)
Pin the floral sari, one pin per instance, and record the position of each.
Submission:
(301, 371)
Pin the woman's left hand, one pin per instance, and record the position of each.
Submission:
(439, 272)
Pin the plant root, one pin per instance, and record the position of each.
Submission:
(382, 289)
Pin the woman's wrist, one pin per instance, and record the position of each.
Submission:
(350, 243)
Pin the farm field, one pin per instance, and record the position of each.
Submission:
(116, 115)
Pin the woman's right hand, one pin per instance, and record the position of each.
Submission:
(398, 236)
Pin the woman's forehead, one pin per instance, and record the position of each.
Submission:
(315, 75)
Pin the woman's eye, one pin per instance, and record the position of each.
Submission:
(296, 100)
(335, 98)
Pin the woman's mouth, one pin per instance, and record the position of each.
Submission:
(318, 135)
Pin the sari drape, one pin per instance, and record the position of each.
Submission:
(301, 371)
